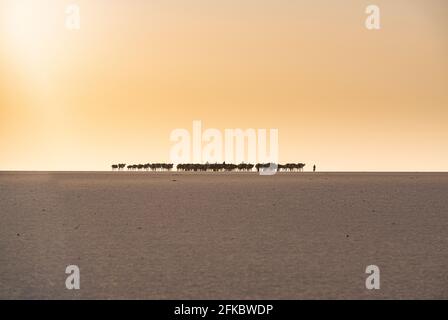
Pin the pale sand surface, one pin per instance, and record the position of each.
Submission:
(223, 236)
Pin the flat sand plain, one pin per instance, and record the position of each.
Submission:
(223, 236)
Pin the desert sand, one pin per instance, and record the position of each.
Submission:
(223, 236)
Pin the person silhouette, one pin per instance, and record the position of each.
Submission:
(314, 168)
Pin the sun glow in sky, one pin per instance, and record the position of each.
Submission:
(341, 96)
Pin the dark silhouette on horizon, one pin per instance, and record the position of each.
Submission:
(119, 166)
(207, 167)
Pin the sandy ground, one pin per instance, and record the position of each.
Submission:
(223, 236)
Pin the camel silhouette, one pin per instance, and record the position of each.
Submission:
(210, 167)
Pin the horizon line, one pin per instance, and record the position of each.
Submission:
(234, 172)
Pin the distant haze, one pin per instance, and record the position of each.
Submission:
(341, 96)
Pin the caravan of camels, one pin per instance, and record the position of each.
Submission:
(214, 167)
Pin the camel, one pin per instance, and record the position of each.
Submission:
(213, 167)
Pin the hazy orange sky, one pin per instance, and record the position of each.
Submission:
(341, 96)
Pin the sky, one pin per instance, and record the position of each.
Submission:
(341, 96)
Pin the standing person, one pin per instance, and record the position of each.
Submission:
(314, 168)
